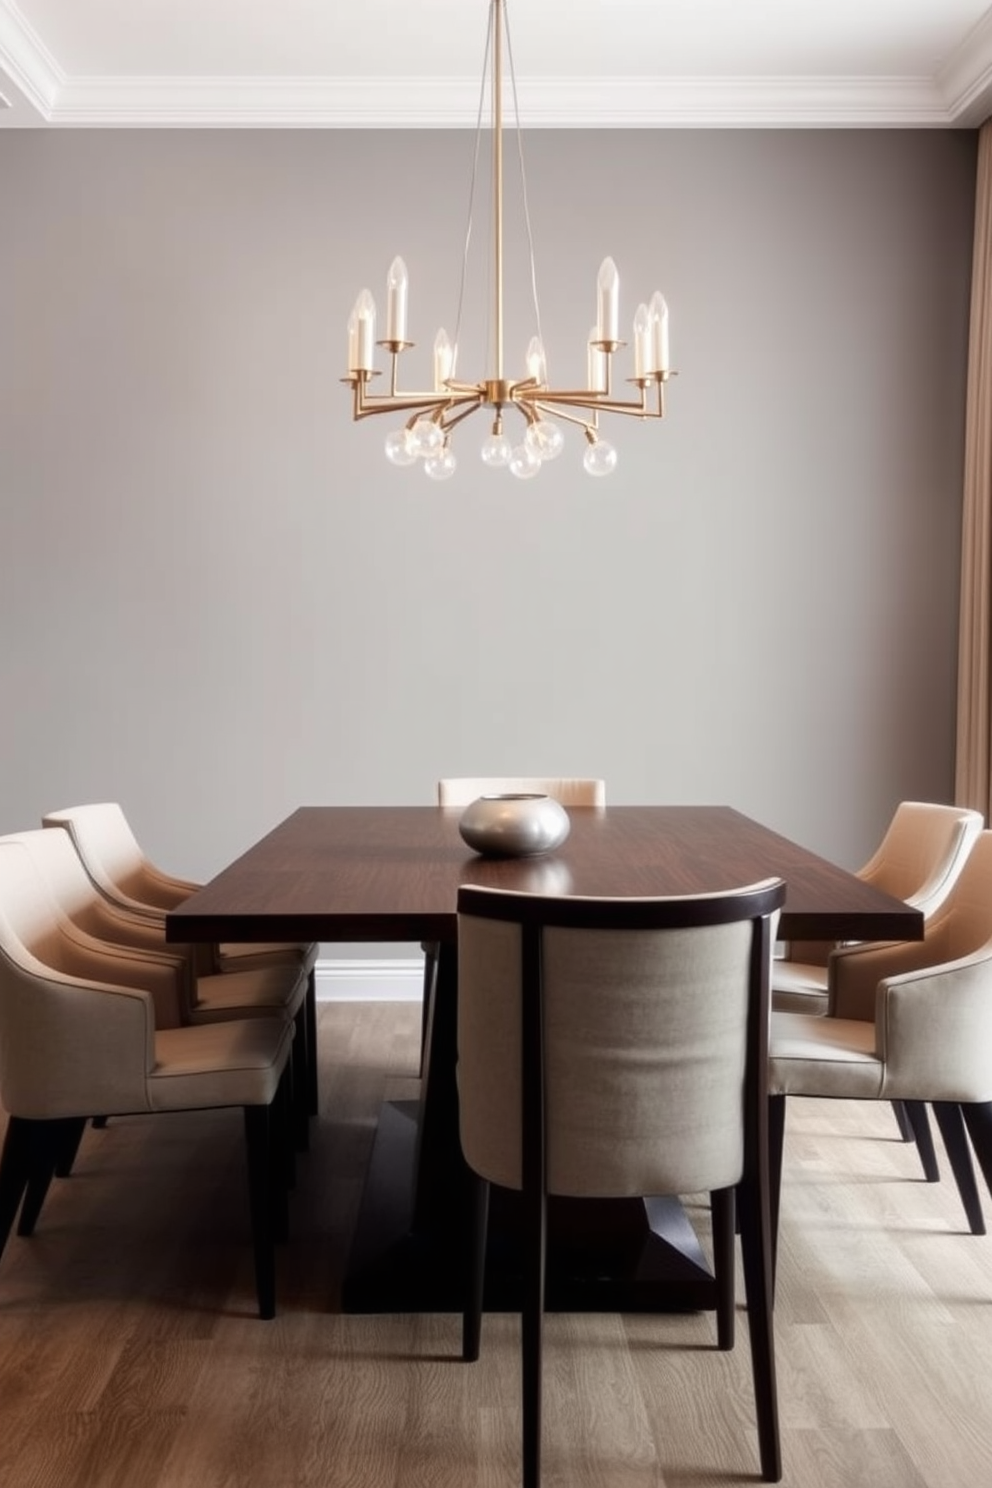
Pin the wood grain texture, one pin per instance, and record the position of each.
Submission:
(130, 1353)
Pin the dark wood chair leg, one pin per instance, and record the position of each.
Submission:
(951, 1124)
(430, 972)
(776, 1149)
(978, 1120)
(916, 1113)
(70, 1147)
(258, 1139)
(754, 1200)
(532, 1335)
(313, 1083)
(15, 1170)
(49, 1142)
(723, 1214)
(300, 1080)
(475, 1268)
(902, 1121)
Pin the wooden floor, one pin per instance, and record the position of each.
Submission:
(130, 1355)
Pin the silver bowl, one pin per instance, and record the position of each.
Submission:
(514, 825)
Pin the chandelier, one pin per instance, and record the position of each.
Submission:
(433, 415)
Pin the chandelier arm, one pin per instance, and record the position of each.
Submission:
(568, 418)
(365, 405)
(448, 424)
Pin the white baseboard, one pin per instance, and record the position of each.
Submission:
(389, 980)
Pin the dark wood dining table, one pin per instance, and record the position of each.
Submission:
(391, 874)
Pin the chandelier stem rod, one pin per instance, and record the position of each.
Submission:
(497, 101)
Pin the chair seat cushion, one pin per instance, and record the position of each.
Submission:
(219, 1064)
(243, 954)
(798, 987)
(813, 1055)
(275, 991)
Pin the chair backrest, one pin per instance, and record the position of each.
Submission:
(107, 848)
(633, 1032)
(924, 849)
(463, 790)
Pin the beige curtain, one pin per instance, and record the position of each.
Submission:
(973, 774)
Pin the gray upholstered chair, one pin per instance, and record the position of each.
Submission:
(90, 1029)
(276, 989)
(128, 879)
(613, 1048)
(924, 849)
(909, 1021)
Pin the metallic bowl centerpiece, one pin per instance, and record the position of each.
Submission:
(514, 825)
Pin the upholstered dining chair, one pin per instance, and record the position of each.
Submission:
(908, 1021)
(918, 860)
(128, 879)
(611, 1048)
(462, 790)
(92, 1029)
(275, 989)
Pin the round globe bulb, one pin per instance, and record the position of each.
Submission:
(426, 438)
(524, 464)
(496, 451)
(600, 458)
(441, 466)
(545, 439)
(399, 448)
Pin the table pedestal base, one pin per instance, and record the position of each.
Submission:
(614, 1256)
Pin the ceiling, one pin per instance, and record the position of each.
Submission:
(418, 63)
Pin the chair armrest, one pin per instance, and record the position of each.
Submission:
(854, 972)
(933, 1029)
(70, 1047)
(164, 891)
(163, 974)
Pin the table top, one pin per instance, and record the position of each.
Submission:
(391, 873)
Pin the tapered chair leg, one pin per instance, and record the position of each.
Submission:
(756, 1252)
(776, 1149)
(475, 1269)
(49, 1143)
(723, 1215)
(902, 1121)
(299, 1060)
(978, 1120)
(15, 1170)
(69, 1147)
(258, 1144)
(532, 1335)
(951, 1124)
(313, 1083)
(916, 1113)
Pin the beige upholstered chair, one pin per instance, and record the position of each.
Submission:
(923, 851)
(909, 1021)
(611, 1048)
(91, 1029)
(276, 989)
(127, 879)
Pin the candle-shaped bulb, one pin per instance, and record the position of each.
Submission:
(353, 339)
(642, 342)
(608, 300)
(364, 313)
(444, 360)
(658, 311)
(536, 364)
(595, 364)
(396, 287)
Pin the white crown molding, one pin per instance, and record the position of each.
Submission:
(550, 103)
(965, 80)
(960, 95)
(27, 61)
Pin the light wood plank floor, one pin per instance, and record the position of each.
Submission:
(130, 1355)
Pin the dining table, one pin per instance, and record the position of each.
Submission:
(383, 874)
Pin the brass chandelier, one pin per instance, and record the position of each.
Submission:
(426, 434)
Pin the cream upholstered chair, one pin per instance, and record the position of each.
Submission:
(126, 877)
(909, 1021)
(462, 790)
(269, 990)
(91, 1029)
(611, 1048)
(923, 851)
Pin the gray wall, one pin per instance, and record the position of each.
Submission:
(217, 600)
